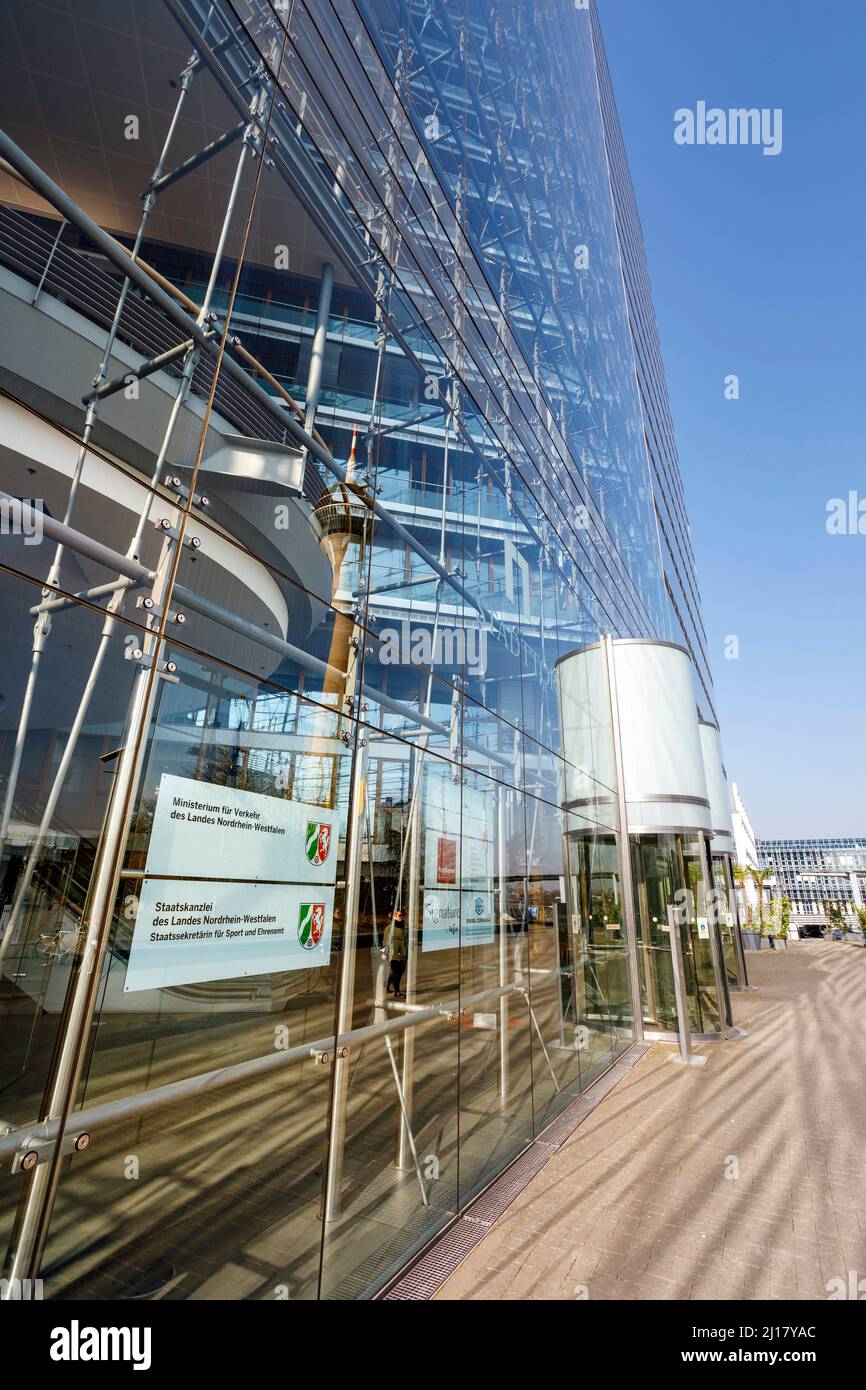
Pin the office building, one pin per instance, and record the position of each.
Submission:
(813, 873)
(349, 604)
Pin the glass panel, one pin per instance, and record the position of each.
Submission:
(726, 920)
(670, 888)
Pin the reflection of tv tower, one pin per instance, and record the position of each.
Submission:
(344, 521)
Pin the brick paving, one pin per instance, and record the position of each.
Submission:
(637, 1204)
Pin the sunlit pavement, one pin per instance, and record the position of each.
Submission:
(743, 1179)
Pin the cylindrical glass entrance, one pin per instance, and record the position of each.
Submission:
(670, 895)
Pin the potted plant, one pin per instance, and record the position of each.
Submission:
(784, 928)
(750, 933)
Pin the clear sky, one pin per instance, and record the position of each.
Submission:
(757, 269)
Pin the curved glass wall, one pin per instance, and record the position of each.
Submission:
(301, 940)
(670, 896)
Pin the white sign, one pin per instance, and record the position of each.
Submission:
(215, 832)
(458, 841)
(453, 918)
(187, 931)
(256, 894)
(703, 928)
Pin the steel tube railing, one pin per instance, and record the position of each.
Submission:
(111, 1112)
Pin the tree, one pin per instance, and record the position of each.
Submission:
(759, 878)
(785, 918)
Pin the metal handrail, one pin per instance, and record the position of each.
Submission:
(110, 1112)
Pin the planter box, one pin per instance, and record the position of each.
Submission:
(751, 940)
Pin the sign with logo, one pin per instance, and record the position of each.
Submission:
(453, 919)
(311, 924)
(703, 928)
(318, 841)
(216, 832)
(187, 932)
(236, 883)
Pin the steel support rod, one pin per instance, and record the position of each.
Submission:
(36, 1214)
(195, 161)
(57, 605)
(140, 575)
(346, 1000)
(114, 252)
(149, 368)
(43, 623)
(403, 1156)
(29, 1238)
(628, 902)
(317, 355)
(504, 1020)
(406, 1120)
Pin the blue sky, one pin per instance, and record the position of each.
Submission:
(757, 268)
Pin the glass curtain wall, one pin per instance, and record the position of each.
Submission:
(282, 758)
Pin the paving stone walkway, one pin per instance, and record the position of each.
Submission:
(743, 1179)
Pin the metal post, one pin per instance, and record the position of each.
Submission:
(37, 1210)
(403, 1157)
(317, 357)
(504, 1040)
(333, 1205)
(726, 1018)
(116, 600)
(686, 1056)
(738, 938)
(624, 843)
(407, 1121)
(43, 623)
(38, 1206)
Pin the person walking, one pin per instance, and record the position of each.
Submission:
(394, 950)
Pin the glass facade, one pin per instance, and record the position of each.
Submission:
(321, 443)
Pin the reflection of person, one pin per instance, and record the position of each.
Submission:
(394, 950)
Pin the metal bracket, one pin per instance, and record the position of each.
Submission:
(165, 528)
(156, 610)
(33, 1152)
(199, 499)
(165, 669)
(325, 1059)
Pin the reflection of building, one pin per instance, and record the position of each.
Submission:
(746, 847)
(813, 873)
(328, 383)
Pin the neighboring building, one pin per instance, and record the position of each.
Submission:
(746, 846)
(332, 523)
(814, 872)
